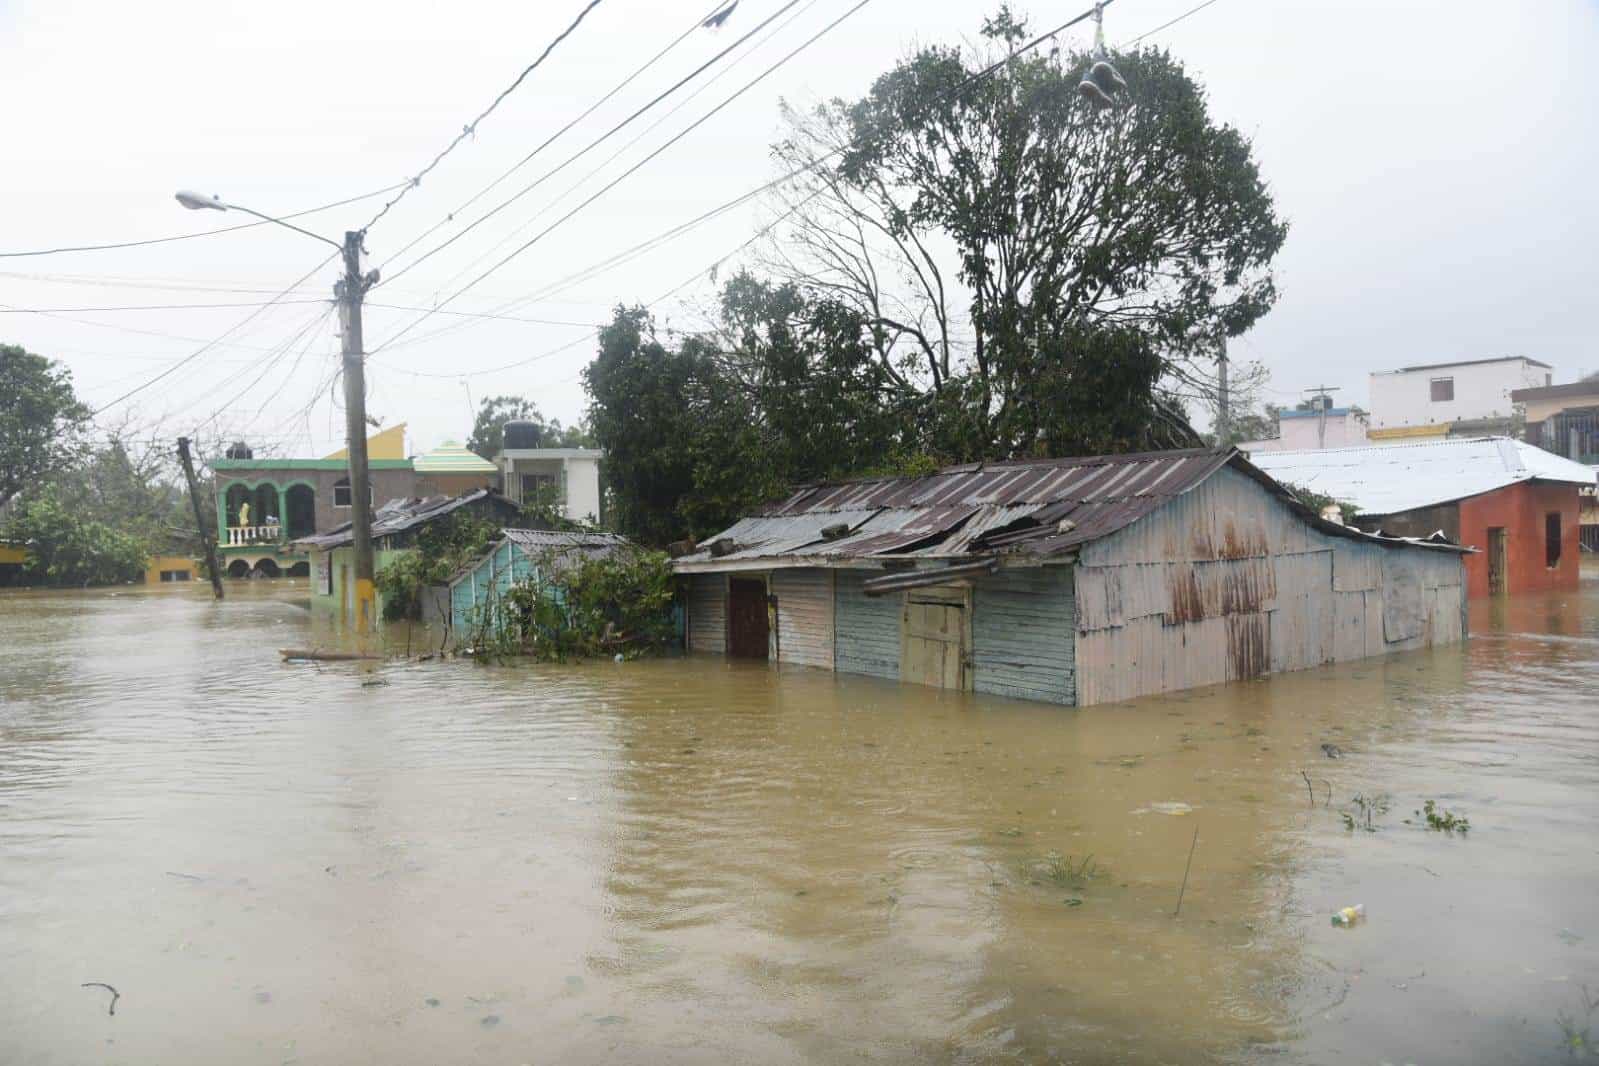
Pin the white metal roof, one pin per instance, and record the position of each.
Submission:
(1387, 479)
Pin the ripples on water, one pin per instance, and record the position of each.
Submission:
(699, 861)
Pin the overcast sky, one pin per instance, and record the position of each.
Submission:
(1437, 162)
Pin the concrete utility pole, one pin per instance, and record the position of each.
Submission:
(350, 290)
(1223, 415)
(207, 530)
(1322, 396)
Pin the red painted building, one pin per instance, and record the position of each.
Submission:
(1517, 504)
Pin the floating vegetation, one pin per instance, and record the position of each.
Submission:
(1367, 809)
(1443, 820)
(1577, 1035)
(1066, 871)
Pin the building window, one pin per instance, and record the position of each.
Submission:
(1443, 390)
(174, 575)
(1551, 540)
(341, 493)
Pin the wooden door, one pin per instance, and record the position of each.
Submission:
(1498, 560)
(934, 649)
(748, 629)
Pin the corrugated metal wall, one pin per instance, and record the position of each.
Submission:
(804, 616)
(707, 613)
(488, 582)
(1024, 634)
(866, 639)
(1226, 583)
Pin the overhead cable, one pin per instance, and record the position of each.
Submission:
(633, 169)
(471, 127)
(541, 179)
(202, 233)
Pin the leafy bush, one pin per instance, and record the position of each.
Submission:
(441, 548)
(593, 607)
(64, 548)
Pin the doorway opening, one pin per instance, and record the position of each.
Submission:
(1498, 560)
(748, 629)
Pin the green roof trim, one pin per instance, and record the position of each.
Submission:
(305, 464)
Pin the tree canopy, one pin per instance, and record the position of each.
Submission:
(966, 268)
(39, 416)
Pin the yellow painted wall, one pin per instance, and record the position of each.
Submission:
(1409, 432)
(390, 444)
(12, 554)
(158, 563)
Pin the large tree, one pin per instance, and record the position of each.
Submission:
(488, 429)
(39, 419)
(999, 236)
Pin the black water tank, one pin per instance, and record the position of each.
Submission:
(240, 450)
(522, 434)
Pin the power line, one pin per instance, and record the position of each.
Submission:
(212, 343)
(1165, 25)
(636, 166)
(484, 314)
(585, 181)
(471, 127)
(742, 198)
(592, 144)
(9, 310)
(203, 233)
(618, 87)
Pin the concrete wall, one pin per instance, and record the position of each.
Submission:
(1024, 634)
(387, 484)
(1225, 583)
(1521, 510)
(1482, 390)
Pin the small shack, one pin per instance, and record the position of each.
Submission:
(521, 555)
(395, 526)
(1073, 581)
(1516, 502)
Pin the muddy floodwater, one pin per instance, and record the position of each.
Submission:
(702, 862)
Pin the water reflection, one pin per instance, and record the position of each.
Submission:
(699, 861)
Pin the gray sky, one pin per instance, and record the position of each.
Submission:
(1437, 162)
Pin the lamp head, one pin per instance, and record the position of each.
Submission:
(195, 202)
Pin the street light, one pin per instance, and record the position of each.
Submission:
(349, 290)
(196, 202)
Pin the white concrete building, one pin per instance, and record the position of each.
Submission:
(1440, 398)
(1343, 427)
(574, 472)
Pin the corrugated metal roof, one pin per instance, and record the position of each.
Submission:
(560, 550)
(970, 508)
(1391, 478)
(1032, 507)
(397, 516)
(452, 458)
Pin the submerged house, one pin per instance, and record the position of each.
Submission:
(1074, 581)
(395, 527)
(1518, 503)
(521, 555)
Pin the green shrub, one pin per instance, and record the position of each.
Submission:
(619, 603)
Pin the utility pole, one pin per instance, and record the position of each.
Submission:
(1322, 397)
(207, 529)
(1223, 415)
(350, 290)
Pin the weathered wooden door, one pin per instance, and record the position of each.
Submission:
(747, 626)
(1498, 560)
(934, 649)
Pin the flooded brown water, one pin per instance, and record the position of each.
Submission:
(692, 861)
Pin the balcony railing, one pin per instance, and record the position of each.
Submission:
(244, 535)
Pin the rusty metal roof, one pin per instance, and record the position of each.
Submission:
(1038, 507)
(397, 516)
(1018, 505)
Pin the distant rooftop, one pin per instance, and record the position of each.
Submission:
(1332, 412)
(1467, 362)
(452, 458)
(1387, 479)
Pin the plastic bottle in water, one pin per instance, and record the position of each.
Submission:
(1349, 915)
